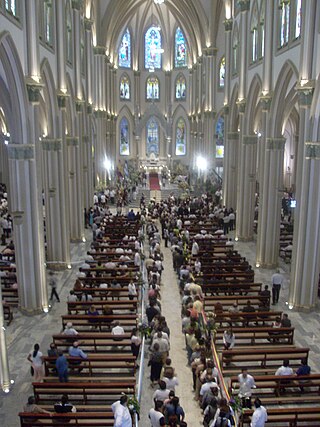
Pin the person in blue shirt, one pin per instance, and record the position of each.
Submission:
(75, 351)
(304, 369)
(62, 367)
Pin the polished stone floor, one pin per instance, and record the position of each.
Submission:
(25, 331)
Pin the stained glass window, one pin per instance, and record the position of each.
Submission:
(124, 137)
(220, 137)
(181, 87)
(124, 87)
(180, 59)
(125, 50)
(11, 6)
(48, 20)
(284, 22)
(153, 91)
(222, 72)
(152, 137)
(298, 19)
(181, 138)
(152, 47)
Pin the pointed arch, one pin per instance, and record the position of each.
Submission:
(125, 87)
(252, 104)
(152, 137)
(234, 113)
(152, 48)
(180, 87)
(49, 97)
(71, 110)
(152, 88)
(124, 51)
(180, 50)
(13, 79)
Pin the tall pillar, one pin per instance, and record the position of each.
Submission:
(4, 360)
(247, 186)
(230, 171)
(231, 139)
(58, 251)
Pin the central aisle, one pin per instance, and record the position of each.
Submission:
(171, 309)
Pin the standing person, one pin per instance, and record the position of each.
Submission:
(277, 281)
(121, 413)
(246, 384)
(53, 284)
(259, 416)
(135, 342)
(156, 416)
(156, 364)
(174, 412)
(62, 367)
(36, 358)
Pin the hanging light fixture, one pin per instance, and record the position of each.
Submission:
(158, 1)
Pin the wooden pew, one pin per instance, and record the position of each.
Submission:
(269, 388)
(228, 288)
(265, 317)
(10, 296)
(267, 359)
(83, 393)
(121, 305)
(8, 316)
(107, 365)
(228, 300)
(284, 417)
(85, 419)
(257, 336)
(94, 342)
(127, 321)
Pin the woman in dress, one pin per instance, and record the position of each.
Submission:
(36, 358)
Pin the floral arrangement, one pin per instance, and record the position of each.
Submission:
(145, 329)
(133, 404)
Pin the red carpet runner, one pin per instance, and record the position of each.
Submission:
(154, 181)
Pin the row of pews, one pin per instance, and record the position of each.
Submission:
(110, 368)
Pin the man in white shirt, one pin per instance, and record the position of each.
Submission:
(259, 416)
(277, 281)
(284, 369)
(246, 384)
(156, 416)
(117, 329)
(122, 417)
(209, 384)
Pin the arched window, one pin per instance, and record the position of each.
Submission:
(152, 48)
(298, 19)
(261, 35)
(284, 6)
(181, 143)
(153, 88)
(124, 137)
(254, 33)
(235, 50)
(124, 56)
(11, 7)
(180, 56)
(124, 87)
(152, 137)
(69, 32)
(181, 87)
(220, 138)
(48, 22)
(222, 72)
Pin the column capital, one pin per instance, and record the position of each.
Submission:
(276, 143)
(168, 73)
(33, 88)
(210, 51)
(99, 50)
(62, 99)
(249, 139)
(100, 114)
(241, 103)
(312, 150)
(51, 144)
(88, 24)
(210, 114)
(21, 151)
(265, 101)
(136, 73)
(305, 89)
(226, 109)
(233, 136)
(79, 104)
(89, 109)
(85, 138)
(77, 4)
(244, 5)
(228, 24)
(72, 141)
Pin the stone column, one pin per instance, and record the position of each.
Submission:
(4, 361)
(58, 254)
(73, 172)
(231, 160)
(26, 204)
(246, 186)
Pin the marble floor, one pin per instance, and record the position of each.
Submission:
(25, 331)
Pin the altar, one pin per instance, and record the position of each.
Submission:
(153, 163)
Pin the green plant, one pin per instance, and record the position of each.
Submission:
(133, 404)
